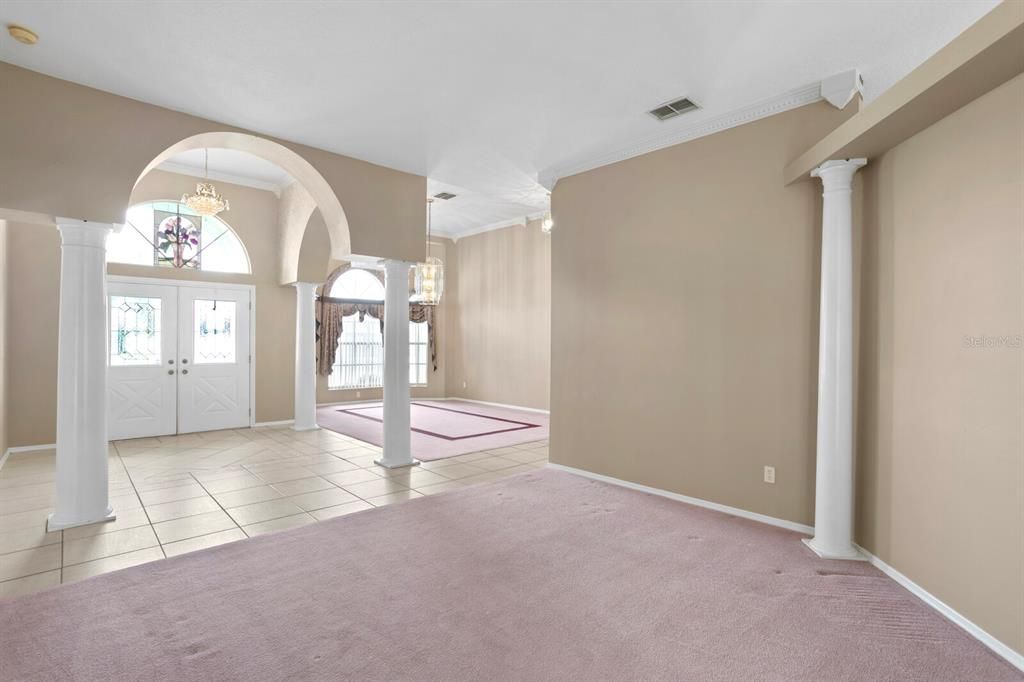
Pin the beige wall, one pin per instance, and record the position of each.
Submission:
(72, 151)
(941, 422)
(684, 317)
(499, 330)
(4, 359)
(33, 275)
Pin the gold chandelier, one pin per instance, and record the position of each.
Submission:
(206, 201)
(428, 276)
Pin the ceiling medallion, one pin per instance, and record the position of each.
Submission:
(206, 201)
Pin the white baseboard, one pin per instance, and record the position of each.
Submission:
(1012, 657)
(484, 402)
(283, 422)
(24, 449)
(734, 511)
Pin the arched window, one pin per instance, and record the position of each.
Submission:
(151, 228)
(359, 360)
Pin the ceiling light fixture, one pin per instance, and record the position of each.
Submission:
(206, 201)
(22, 34)
(547, 223)
(428, 276)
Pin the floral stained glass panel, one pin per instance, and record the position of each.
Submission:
(214, 324)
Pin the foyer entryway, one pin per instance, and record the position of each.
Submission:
(179, 357)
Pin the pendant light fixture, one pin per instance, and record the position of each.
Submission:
(428, 282)
(206, 201)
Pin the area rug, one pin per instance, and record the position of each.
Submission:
(541, 576)
(441, 428)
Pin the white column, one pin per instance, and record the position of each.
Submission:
(397, 447)
(305, 357)
(833, 495)
(82, 492)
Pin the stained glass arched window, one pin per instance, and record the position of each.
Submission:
(168, 234)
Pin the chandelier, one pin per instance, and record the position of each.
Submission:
(428, 276)
(206, 201)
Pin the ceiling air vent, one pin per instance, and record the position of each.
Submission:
(444, 195)
(667, 111)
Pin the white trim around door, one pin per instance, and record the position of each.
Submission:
(189, 287)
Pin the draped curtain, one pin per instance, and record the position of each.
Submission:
(330, 313)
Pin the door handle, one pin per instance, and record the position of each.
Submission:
(170, 371)
(184, 371)
(184, 361)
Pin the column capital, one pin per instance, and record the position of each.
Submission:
(74, 232)
(304, 287)
(838, 173)
(392, 265)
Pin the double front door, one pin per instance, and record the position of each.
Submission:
(179, 358)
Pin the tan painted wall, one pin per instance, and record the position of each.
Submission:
(499, 329)
(34, 271)
(684, 317)
(3, 337)
(72, 151)
(940, 421)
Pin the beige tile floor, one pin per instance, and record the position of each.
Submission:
(178, 494)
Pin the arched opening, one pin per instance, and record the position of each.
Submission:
(309, 192)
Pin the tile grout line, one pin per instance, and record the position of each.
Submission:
(144, 511)
(200, 484)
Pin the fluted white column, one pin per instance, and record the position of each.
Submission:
(82, 476)
(397, 446)
(833, 494)
(305, 357)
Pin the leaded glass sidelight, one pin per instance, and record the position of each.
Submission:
(214, 326)
(134, 330)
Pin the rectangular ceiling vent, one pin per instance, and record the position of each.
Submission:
(672, 109)
(444, 195)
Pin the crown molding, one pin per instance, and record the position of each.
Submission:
(181, 169)
(798, 97)
(490, 227)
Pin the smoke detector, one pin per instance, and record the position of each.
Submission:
(673, 109)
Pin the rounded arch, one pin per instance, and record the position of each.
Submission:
(309, 192)
(325, 288)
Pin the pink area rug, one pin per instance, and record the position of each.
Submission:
(441, 428)
(541, 576)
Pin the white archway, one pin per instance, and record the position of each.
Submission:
(310, 191)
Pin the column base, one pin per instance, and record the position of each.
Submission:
(314, 427)
(382, 463)
(52, 525)
(847, 555)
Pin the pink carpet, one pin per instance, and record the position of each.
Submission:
(441, 428)
(542, 576)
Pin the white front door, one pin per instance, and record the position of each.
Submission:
(142, 319)
(213, 349)
(179, 358)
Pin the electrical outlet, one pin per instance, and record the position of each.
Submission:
(359, 394)
(769, 474)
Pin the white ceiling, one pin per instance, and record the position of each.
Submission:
(482, 98)
(228, 165)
